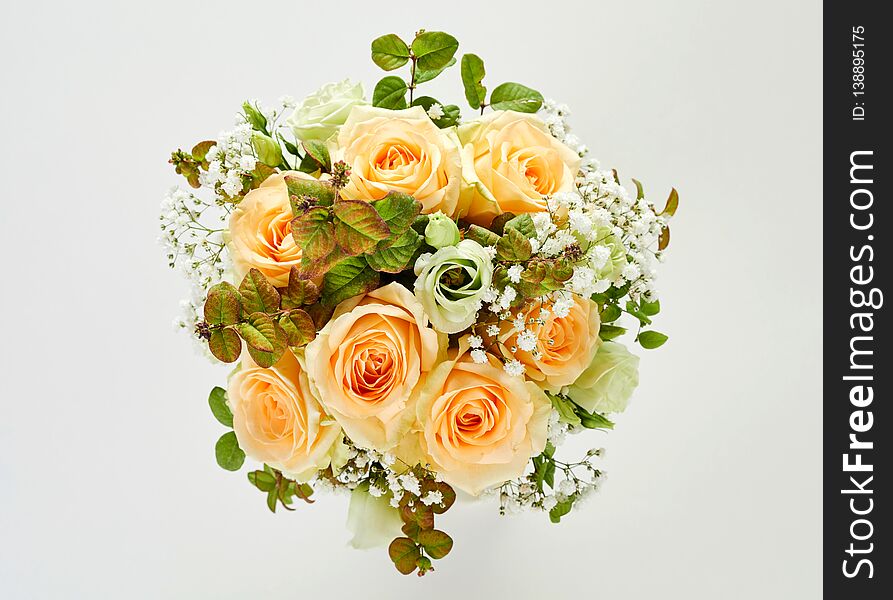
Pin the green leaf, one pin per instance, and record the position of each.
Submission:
(421, 76)
(436, 543)
(640, 191)
(351, 277)
(450, 112)
(225, 345)
(650, 308)
(549, 474)
(664, 239)
(611, 312)
(651, 339)
(267, 359)
(358, 227)
(672, 203)
(262, 480)
(390, 92)
(229, 455)
(514, 96)
(411, 530)
(259, 332)
(298, 189)
(592, 420)
(298, 327)
(299, 291)
(272, 499)
(497, 226)
(258, 294)
(609, 332)
(398, 211)
(561, 509)
(482, 236)
(314, 233)
(404, 553)
(633, 309)
(219, 407)
(312, 269)
(319, 152)
(524, 224)
(434, 49)
(389, 52)
(396, 257)
(472, 71)
(418, 513)
(222, 306)
(565, 408)
(513, 246)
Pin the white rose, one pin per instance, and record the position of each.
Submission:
(321, 113)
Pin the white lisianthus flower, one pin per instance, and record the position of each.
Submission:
(451, 284)
(321, 113)
(607, 384)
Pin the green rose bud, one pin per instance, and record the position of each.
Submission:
(254, 117)
(267, 150)
(321, 113)
(451, 282)
(607, 384)
(617, 259)
(441, 231)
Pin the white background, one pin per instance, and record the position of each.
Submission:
(108, 485)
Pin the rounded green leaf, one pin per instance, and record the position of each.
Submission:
(222, 306)
(397, 256)
(390, 92)
(350, 277)
(229, 455)
(514, 96)
(225, 345)
(389, 52)
(219, 407)
(262, 480)
(258, 331)
(472, 71)
(298, 188)
(421, 76)
(652, 339)
(398, 211)
(434, 49)
(258, 294)
(298, 327)
(451, 112)
(298, 292)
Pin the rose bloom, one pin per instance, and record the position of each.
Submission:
(278, 420)
(565, 345)
(321, 113)
(402, 151)
(510, 163)
(477, 425)
(260, 231)
(608, 383)
(367, 360)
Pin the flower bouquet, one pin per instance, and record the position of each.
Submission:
(418, 304)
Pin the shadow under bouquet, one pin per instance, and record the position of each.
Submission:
(417, 303)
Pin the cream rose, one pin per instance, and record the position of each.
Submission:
(260, 231)
(403, 151)
(608, 383)
(367, 360)
(477, 425)
(564, 346)
(510, 162)
(278, 420)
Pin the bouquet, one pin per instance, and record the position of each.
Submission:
(418, 304)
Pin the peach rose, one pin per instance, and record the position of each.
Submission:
(278, 420)
(403, 151)
(564, 345)
(366, 362)
(477, 425)
(260, 231)
(510, 162)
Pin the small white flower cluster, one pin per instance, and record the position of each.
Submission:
(579, 482)
(193, 246)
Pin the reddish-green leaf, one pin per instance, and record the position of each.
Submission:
(358, 226)
(404, 553)
(222, 306)
(313, 232)
(258, 294)
(350, 277)
(436, 543)
(664, 239)
(259, 331)
(298, 327)
(279, 341)
(225, 345)
(397, 256)
(298, 189)
(299, 291)
(672, 203)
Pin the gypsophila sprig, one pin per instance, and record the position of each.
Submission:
(416, 304)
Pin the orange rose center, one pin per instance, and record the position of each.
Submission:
(395, 157)
(277, 419)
